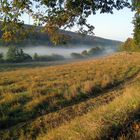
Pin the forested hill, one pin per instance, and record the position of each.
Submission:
(90, 40)
(76, 39)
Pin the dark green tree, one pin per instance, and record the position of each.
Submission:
(129, 45)
(137, 29)
(35, 56)
(1, 57)
(84, 53)
(15, 54)
(12, 54)
(136, 22)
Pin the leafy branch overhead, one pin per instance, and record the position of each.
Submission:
(136, 23)
(53, 15)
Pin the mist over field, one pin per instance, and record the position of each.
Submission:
(63, 51)
(39, 47)
(43, 50)
(77, 46)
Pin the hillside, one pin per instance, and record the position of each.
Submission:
(93, 99)
(76, 39)
(41, 38)
(90, 40)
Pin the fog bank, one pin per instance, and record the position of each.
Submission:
(64, 51)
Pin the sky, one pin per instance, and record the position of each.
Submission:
(117, 26)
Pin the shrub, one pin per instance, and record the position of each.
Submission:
(53, 57)
(84, 53)
(94, 51)
(35, 56)
(1, 57)
(129, 45)
(76, 55)
(15, 54)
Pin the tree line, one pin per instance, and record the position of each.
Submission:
(17, 55)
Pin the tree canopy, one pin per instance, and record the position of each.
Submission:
(136, 22)
(53, 14)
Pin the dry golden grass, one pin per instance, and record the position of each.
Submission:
(29, 93)
(103, 122)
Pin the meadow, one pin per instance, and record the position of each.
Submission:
(87, 100)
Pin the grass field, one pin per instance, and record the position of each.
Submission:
(93, 99)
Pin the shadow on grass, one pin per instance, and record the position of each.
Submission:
(125, 130)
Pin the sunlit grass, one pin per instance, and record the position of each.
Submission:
(102, 122)
(29, 93)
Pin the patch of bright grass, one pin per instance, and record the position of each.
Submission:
(102, 122)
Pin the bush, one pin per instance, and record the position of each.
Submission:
(15, 54)
(1, 57)
(57, 57)
(53, 57)
(84, 53)
(76, 55)
(94, 51)
(129, 45)
(35, 57)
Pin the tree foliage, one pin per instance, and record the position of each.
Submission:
(53, 15)
(136, 22)
(130, 45)
(1, 57)
(15, 54)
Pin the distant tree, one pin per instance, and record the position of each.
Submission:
(35, 56)
(53, 57)
(1, 57)
(27, 57)
(23, 56)
(94, 51)
(11, 54)
(15, 54)
(76, 55)
(84, 53)
(129, 45)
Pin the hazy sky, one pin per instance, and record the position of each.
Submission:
(116, 26)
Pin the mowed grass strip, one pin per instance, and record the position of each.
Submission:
(101, 123)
